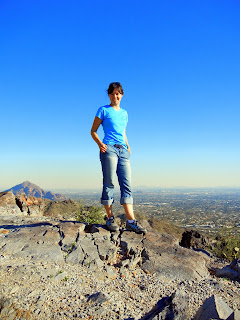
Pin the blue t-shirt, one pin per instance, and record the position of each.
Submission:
(114, 124)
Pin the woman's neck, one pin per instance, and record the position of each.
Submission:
(115, 106)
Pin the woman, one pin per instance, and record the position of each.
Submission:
(114, 155)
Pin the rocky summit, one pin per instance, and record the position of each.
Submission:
(59, 269)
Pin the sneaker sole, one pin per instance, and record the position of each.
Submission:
(138, 232)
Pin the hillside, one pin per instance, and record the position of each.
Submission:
(84, 271)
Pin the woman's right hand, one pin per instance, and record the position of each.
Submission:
(103, 147)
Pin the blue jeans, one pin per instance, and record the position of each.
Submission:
(116, 160)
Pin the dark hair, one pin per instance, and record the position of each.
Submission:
(115, 85)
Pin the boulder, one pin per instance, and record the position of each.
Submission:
(174, 307)
(193, 239)
(8, 204)
(231, 271)
(162, 255)
(213, 308)
(7, 198)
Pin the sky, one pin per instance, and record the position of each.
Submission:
(178, 62)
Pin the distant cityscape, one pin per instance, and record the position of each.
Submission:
(206, 210)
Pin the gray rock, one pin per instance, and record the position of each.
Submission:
(213, 308)
(229, 271)
(69, 234)
(37, 243)
(111, 272)
(174, 307)
(76, 255)
(91, 255)
(163, 256)
(132, 246)
(99, 298)
(234, 316)
(235, 265)
(106, 248)
(193, 239)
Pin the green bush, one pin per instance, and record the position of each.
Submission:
(90, 215)
(227, 246)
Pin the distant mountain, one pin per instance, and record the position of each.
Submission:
(31, 189)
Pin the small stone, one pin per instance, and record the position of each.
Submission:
(99, 298)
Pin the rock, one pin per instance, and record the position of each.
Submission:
(38, 243)
(193, 239)
(173, 307)
(163, 256)
(213, 308)
(7, 198)
(63, 269)
(180, 305)
(91, 255)
(30, 205)
(99, 298)
(231, 271)
(107, 249)
(235, 265)
(90, 249)
(76, 255)
(132, 249)
(234, 316)
(69, 234)
(8, 204)
(112, 272)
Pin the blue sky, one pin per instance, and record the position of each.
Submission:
(178, 62)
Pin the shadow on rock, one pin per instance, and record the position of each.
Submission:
(172, 307)
(31, 225)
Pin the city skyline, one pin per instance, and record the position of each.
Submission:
(179, 67)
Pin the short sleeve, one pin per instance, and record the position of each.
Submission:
(100, 113)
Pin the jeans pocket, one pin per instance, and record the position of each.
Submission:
(127, 153)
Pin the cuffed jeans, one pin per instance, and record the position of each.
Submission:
(116, 160)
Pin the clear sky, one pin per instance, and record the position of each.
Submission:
(178, 62)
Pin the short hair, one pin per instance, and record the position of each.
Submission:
(115, 85)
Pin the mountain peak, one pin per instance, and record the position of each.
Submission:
(31, 189)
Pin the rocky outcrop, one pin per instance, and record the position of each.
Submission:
(8, 205)
(68, 269)
(31, 206)
(231, 271)
(21, 204)
(194, 240)
(96, 247)
(7, 198)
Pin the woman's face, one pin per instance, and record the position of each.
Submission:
(115, 97)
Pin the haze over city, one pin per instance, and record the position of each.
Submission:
(179, 66)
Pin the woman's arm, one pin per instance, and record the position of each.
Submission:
(126, 140)
(96, 123)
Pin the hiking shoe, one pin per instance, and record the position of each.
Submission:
(136, 227)
(111, 224)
